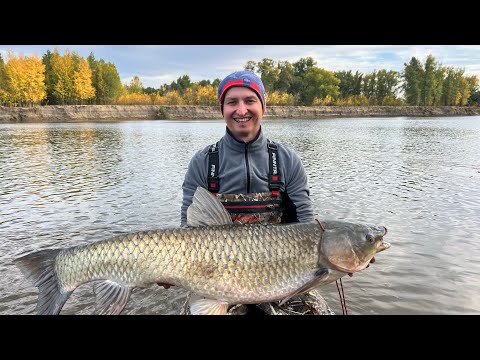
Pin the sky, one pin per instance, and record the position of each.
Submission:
(156, 65)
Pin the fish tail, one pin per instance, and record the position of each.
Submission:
(39, 267)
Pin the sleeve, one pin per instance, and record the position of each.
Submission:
(298, 204)
(195, 176)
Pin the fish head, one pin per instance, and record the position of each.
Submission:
(349, 247)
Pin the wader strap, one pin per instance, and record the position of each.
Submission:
(213, 162)
(274, 182)
(249, 207)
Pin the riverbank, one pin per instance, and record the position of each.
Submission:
(78, 113)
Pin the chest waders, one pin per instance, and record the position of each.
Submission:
(264, 207)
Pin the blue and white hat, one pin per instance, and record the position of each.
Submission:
(243, 78)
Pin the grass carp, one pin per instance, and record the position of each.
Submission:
(220, 262)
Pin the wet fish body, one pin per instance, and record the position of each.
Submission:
(222, 263)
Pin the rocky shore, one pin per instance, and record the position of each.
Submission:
(78, 113)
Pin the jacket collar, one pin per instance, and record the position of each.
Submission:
(232, 143)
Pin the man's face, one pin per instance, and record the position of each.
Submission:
(242, 111)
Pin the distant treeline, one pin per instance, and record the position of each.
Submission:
(70, 79)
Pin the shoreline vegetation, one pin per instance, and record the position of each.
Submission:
(79, 113)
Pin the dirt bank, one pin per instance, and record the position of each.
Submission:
(184, 112)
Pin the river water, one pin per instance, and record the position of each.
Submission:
(64, 184)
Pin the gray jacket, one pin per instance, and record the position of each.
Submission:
(243, 169)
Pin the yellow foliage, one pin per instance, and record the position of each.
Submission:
(135, 99)
(326, 101)
(279, 99)
(83, 88)
(206, 95)
(173, 98)
(25, 79)
(189, 97)
(64, 69)
(353, 100)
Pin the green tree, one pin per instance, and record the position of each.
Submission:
(320, 83)
(106, 81)
(300, 68)
(387, 82)
(350, 84)
(269, 73)
(413, 78)
(285, 77)
(473, 83)
(183, 83)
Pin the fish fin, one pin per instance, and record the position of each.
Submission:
(206, 210)
(203, 306)
(110, 297)
(311, 284)
(39, 268)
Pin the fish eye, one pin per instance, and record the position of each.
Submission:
(370, 238)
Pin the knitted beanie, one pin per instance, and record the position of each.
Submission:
(243, 78)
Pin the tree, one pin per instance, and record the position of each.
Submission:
(320, 83)
(3, 83)
(25, 79)
(350, 85)
(106, 81)
(285, 78)
(136, 86)
(386, 83)
(269, 73)
(183, 83)
(82, 82)
(63, 70)
(413, 78)
(300, 69)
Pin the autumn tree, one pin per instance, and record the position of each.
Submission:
(136, 86)
(206, 95)
(63, 69)
(25, 79)
(3, 83)
(82, 82)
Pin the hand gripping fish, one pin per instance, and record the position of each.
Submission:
(220, 262)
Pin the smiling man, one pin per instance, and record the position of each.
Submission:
(256, 179)
(266, 179)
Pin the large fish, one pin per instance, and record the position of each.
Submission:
(220, 262)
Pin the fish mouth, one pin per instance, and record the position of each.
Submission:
(383, 245)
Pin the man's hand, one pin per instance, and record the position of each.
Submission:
(165, 285)
(371, 262)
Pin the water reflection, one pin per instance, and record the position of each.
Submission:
(64, 184)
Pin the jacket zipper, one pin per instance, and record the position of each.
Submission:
(248, 168)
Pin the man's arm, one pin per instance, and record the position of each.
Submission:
(298, 202)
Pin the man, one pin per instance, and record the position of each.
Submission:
(257, 180)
